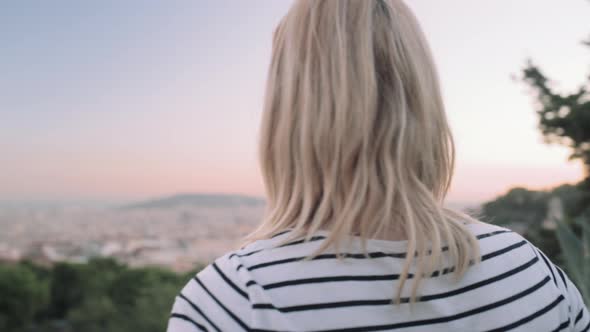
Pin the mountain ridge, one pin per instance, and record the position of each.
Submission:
(196, 199)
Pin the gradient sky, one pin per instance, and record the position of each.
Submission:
(134, 99)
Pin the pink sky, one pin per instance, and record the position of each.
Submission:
(130, 101)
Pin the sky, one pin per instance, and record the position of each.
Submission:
(126, 100)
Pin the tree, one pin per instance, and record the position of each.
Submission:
(102, 295)
(576, 249)
(519, 207)
(564, 118)
(22, 296)
(526, 211)
(67, 289)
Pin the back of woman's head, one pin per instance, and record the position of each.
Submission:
(354, 135)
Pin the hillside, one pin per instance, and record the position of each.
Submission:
(197, 200)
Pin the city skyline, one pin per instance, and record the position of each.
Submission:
(128, 101)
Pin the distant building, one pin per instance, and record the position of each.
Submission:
(8, 254)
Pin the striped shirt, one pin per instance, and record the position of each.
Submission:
(263, 287)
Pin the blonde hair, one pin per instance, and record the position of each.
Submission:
(354, 136)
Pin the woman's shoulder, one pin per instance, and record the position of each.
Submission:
(216, 298)
(235, 266)
(219, 297)
(494, 234)
(239, 267)
(502, 248)
(501, 244)
(489, 236)
(480, 227)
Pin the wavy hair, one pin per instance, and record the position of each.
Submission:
(354, 137)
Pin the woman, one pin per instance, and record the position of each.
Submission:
(357, 156)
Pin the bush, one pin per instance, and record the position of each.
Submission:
(102, 295)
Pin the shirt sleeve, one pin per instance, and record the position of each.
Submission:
(579, 311)
(214, 300)
(579, 319)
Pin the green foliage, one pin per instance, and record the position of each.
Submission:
(518, 205)
(564, 118)
(22, 296)
(102, 295)
(525, 211)
(65, 289)
(574, 198)
(97, 313)
(576, 252)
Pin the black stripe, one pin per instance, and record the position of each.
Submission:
(319, 306)
(460, 315)
(425, 298)
(331, 279)
(562, 326)
(579, 316)
(373, 277)
(383, 278)
(231, 314)
(229, 282)
(188, 319)
(530, 317)
(194, 306)
(585, 329)
(330, 256)
(503, 250)
(321, 237)
(548, 265)
(281, 261)
(312, 239)
(244, 255)
(447, 318)
(485, 257)
(486, 235)
(281, 233)
(479, 284)
(561, 275)
(255, 251)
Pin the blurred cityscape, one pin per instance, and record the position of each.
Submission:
(176, 232)
(119, 100)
